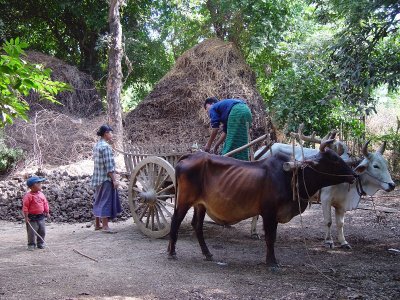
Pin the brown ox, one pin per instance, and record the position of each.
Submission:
(231, 190)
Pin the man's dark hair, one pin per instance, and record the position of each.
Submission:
(210, 100)
(103, 129)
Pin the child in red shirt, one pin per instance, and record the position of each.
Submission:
(35, 208)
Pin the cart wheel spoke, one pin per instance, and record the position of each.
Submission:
(161, 213)
(165, 209)
(144, 212)
(140, 207)
(165, 196)
(162, 180)
(157, 218)
(166, 203)
(143, 181)
(158, 180)
(148, 219)
(136, 189)
(165, 189)
(152, 196)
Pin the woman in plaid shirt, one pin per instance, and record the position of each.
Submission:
(106, 198)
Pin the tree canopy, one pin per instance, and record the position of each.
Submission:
(18, 78)
(316, 61)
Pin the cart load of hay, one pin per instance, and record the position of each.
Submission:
(173, 112)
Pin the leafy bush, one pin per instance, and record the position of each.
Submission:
(18, 78)
(8, 157)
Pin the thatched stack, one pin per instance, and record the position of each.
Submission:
(173, 112)
(83, 101)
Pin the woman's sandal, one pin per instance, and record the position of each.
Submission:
(98, 228)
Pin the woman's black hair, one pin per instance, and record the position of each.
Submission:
(103, 129)
(210, 100)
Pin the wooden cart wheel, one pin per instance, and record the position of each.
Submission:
(152, 196)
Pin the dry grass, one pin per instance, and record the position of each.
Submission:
(52, 138)
(173, 112)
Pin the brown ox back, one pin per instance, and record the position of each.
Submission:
(231, 190)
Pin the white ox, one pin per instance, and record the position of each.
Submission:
(373, 176)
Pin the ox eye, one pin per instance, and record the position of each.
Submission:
(376, 166)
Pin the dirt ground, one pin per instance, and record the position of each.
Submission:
(132, 266)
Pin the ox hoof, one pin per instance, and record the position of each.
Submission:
(209, 258)
(346, 246)
(172, 256)
(255, 236)
(274, 267)
(329, 245)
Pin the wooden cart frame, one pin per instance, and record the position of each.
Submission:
(151, 191)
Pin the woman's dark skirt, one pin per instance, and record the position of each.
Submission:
(106, 201)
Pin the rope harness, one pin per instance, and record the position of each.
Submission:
(303, 166)
(296, 192)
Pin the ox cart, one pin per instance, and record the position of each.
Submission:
(151, 190)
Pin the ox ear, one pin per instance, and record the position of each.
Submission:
(361, 168)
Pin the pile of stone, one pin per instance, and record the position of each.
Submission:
(70, 197)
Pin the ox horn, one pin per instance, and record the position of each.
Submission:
(365, 149)
(339, 148)
(300, 136)
(382, 148)
(324, 144)
(330, 135)
(333, 134)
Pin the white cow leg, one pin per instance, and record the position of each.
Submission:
(253, 230)
(326, 210)
(340, 224)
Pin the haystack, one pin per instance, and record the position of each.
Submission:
(173, 112)
(83, 101)
(53, 139)
(58, 134)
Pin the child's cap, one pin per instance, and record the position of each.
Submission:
(34, 179)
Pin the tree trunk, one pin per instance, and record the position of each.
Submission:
(114, 81)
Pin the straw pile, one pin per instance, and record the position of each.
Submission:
(173, 112)
(83, 101)
(58, 134)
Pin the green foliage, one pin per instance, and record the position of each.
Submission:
(179, 25)
(67, 29)
(18, 78)
(8, 157)
(251, 25)
(133, 95)
(366, 51)
(392, 139)
(316, 61)
(297, 91)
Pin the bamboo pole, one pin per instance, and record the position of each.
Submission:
(246, 146)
